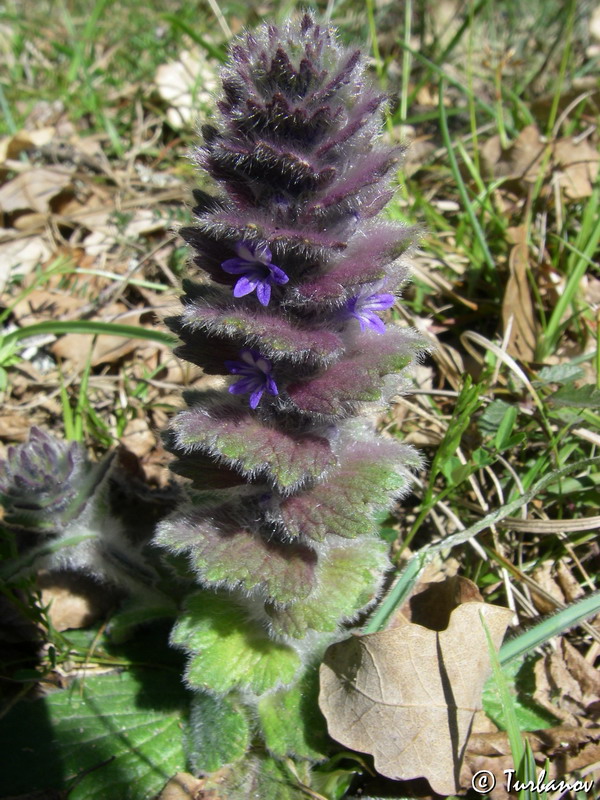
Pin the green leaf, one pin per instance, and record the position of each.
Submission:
(587, 396)
(559, 373)
(467, 404)
(348, 580)
(502, 437)
(369, 474)
(258, 776)
(509, 718)
(234, 435)
(110, 736)
(552, 626)
(230, 650)
(490, 419)
(291, 721)
(530, 716)
(224, 553)
(219, 732)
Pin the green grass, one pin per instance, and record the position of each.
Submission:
(507, 439)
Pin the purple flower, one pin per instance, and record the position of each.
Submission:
(256, 372)
(364, 305)
(253, 263)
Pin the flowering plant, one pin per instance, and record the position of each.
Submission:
(276, 541)
(287, 474)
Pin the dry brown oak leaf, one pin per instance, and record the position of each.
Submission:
(407, 695)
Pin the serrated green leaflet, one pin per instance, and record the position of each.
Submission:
(587, 396)
(219, 732)
(113, 736)
(229, 649)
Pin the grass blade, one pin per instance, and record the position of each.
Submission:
(56, 328)
(550, 627)
(410, 574)
(460, 184)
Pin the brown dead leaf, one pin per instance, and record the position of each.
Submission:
(182, 786)
(432, 603)
(184, 84)
(575, 163)
(520, 161)
(19, 256)
(517, 305)
(75, 347)
(11, 146)
(567, 749)
(407, 695)
(14, 426)
(45, 304)
(578, 164)
(569, 585)
(543, 575)
(74, 600)
(105, 233)
(33, 189)
(138, 438)
(568, 686)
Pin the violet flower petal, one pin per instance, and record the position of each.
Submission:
(245, 286)
(369, 320)
(258, 273)
(379, 302)
(364, 305)
(255, 370)
(278, 275)
(263, 292)
(255, 397)
(235, 266)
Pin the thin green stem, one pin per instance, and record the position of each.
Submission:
(406, 61)
(462, 189)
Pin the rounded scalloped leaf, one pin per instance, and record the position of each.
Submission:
(348, 580)
(358, 378)
(236, 436)
(219, 732)
(225, 553)
(370, 474)
(230, 651)
(291, 722)
(218, 314)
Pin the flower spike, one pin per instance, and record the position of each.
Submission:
(281, 527)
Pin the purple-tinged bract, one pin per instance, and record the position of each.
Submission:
(296, 274)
